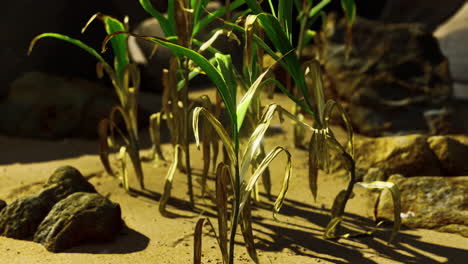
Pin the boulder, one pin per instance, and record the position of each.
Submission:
(21, 218)
(43, 105)
(439, 203)
(394, 73)
(50, 55)
(452, 36)
(431, 13)
(451, 154)
(81, 217)
(408, 155)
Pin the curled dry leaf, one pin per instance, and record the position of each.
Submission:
(396, 196)
(168, 182)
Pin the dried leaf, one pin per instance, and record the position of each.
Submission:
(155, 135)
(168, 182)
(218, 127)
(222, 181)
(197, 241)
(247, 233)
(396, 196)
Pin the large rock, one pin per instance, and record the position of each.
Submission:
(452, 37)
(408, 155)
(21, 218)
(81, 217)
(439, 203)
(429, 12)
(451, 154)
(48, 106)
(54, 56)
(394, 74)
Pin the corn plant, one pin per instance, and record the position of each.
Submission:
(222, 74)
(125, 78)
(322, 140)
(184, 21)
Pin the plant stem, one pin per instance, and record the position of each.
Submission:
(235, 216)
(349, 189)
(186, 131)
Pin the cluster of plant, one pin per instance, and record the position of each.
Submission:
(244, 162)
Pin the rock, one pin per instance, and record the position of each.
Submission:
(54, 56)
(67, 180)
(442, 122)
(374, 174)
(394, 74)
(439, 203)
(408, 155)
(81, 217)
(429, 12)
(2, 205)
(42, 105)
(20, 218)
(451, 154)
(452, 36)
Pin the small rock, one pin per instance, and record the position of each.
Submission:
(20, 218)
(409, 155)
(2, 204)
(67, 180)
(451, 154)
(439, 203)
(79, 218)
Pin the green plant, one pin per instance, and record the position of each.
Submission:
(184, 22)
(125, 78)
(323, 139)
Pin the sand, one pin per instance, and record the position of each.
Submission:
(151, 238)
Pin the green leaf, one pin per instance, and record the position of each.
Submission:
(202, 23)
(118, 43)
(254, 6)
(349, 8)
(285, 16)
(244, 104)
(281, 42)
(166, 26)
(211, 71)
(73, 41)
(226, 68)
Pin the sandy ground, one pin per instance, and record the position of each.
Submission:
(151, 238)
